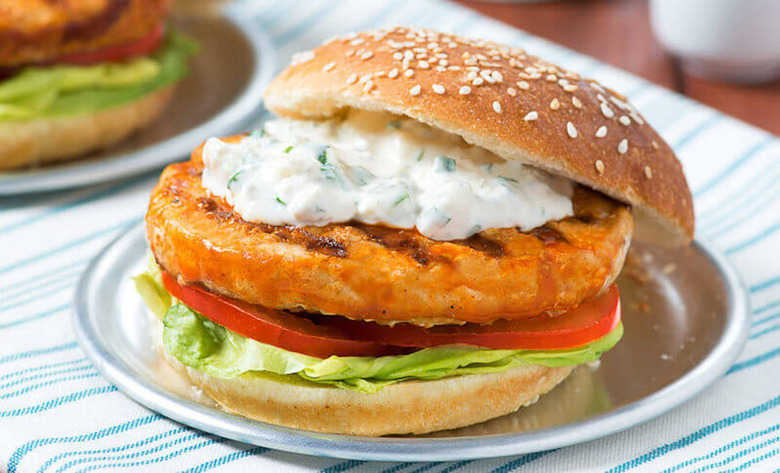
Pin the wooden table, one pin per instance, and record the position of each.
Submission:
(618, 32)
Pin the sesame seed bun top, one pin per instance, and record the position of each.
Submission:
(497, 97)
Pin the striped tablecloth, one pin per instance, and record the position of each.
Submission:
(58, 414)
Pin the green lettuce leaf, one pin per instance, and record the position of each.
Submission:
(64, 90)
(204, 345)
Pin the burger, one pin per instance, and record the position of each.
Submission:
(427, 237)
(84, 75)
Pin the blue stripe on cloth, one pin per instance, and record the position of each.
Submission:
(35, 317)
(696, 131)
(118, 449)
(146, 462)
(768, 318)
(754, 461)
(225, 459)
(750, 154)
(766, 307)
(33, 353)
(22, 451)
(766, 331)
(42, 291)
(343, 466)
(737, 456)
(57, 401)
(397, 468)
(33, 369)
(696, 436)
(753, 240)
(764, 284)
(521, 461)
(455, 466)
(751, 210)
(89, 198)
(753, 194)
(45, 374)
(71, 244)
(297, 29)
(43, 286)
(723, 449)
(423, 468)
(47, 383)
(754, 361)
(38, 278)
(145, 456)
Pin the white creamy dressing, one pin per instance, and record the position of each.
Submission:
(379, 168)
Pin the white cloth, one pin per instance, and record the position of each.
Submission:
(58, 414)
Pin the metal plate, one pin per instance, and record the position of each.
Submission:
(685, 316)
(221, 95)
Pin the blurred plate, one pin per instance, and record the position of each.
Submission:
(222, 95)
(685, 316)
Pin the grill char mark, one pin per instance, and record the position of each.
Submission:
(401, 241)
(295, 235)
(97, 25)
(547, 235)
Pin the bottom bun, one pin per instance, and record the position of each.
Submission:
(408, 407)
(34, 142)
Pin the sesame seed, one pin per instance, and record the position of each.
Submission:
(571, 130)
(623, 146)
(329, 66)
(441, 68)
(535, 76)
(366, 55)
(598, 87)
(498, 77)
(570, 87)
(555, 104)
(409, 73)
(497, 106)
(648, 172)
(552, 78)
(393, 73)
(357, 41)
(655, 144)
(600, 166)
(398, 56)
(624, 120)
(523, 85)
(408, 55)
(601, 132)
(465, 90)
(471, 75)
(368, 86)
(606, 110)
(415, 90)
(423, 64)
(486, 74)
(478, 81)
(438, 88)
(352, 79)
(511, 91)
(531, 116)
(576, 102)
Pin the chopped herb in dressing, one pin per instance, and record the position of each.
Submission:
(504, 178)
(323, 156)
(445, 164)
(281, 201)
(288, 149)
(233, 179)
(394, 124)
(257, 133)
(420, 155)
(403, 198)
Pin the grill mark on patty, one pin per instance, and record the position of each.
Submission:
(483, 245)
(294, 235)
(400, 241)
(547, 235)
(96, 25)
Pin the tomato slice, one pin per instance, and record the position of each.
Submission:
(139, 47)
(323, 336)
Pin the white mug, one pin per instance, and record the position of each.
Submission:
(732, 40)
